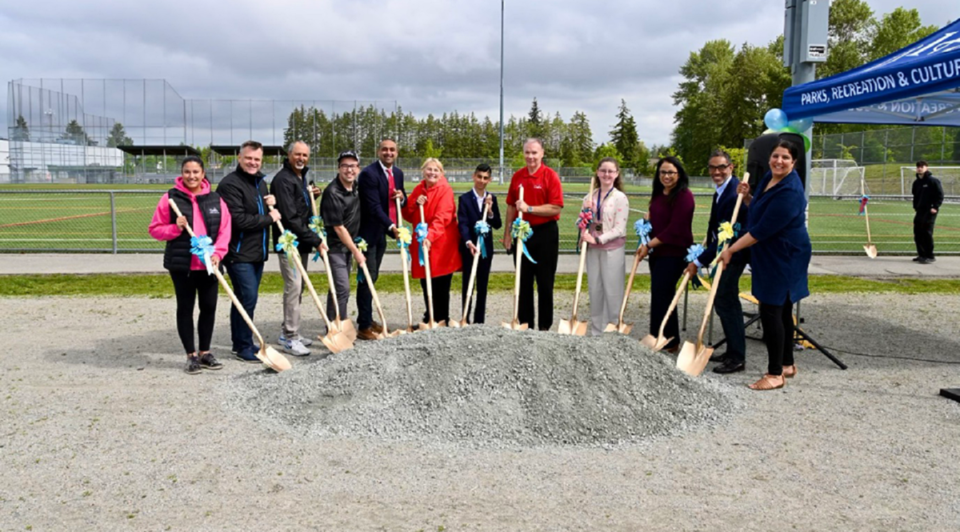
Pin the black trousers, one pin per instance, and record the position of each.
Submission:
(923, 234)
(187, 286)
(544, 247)
(441, 298)
(664, 274)
(478, 306)
(777, 322)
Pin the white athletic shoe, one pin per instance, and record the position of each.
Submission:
(295, 348)
(303, 340)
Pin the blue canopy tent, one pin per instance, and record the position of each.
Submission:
(917, 85)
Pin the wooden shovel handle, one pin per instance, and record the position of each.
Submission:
(707, 311)
(376, 299)
(225, 285)
(426, 265)
(626, 293)
(673, 304)
(518, 255)
(866, 214)
(583, 262)
(473, 270)
(406, 275)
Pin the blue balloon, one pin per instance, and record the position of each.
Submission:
(776, 119)
(802, 124)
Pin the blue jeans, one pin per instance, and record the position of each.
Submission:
(245, 277)
(730, 311)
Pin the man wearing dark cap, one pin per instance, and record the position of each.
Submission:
(379, 185)
(340, 210)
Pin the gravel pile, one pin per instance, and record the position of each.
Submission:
(487, 385)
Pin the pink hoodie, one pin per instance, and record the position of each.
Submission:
(163, 229)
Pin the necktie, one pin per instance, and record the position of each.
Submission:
(392, 209)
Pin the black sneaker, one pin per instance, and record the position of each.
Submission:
(208, 361)
(193, 366)
(916, 259)
(926, 260)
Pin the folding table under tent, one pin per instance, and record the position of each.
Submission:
(918, 85)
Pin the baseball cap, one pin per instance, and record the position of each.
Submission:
(348, 154)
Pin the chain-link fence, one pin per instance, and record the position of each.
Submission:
(116, 221)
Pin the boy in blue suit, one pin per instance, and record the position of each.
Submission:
(469, 213)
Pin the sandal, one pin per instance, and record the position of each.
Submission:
(768, 382)
(790, 371)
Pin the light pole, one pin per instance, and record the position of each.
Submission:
(501, 91)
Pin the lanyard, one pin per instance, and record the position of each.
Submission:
(600, 204)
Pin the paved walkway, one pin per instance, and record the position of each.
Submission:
(855, 266)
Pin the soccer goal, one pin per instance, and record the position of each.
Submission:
(835, 177)
(948, 176)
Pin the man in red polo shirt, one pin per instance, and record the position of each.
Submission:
(541, 205)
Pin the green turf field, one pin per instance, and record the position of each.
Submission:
(66, 220)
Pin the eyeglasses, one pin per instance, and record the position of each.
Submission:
(667, 173)
(719, 167)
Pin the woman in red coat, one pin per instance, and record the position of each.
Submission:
(442, 239)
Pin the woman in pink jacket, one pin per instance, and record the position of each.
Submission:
(207, 215)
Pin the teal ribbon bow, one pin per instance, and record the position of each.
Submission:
(287, 243)
(482, 228)
(421, 231)
(694, 252)
(316, 225)
(643, 228)
(522, 232)
(202, 247)
(362, 246)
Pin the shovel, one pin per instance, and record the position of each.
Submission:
(693, 358)
(659, 342)
(429, 282)
(406, 279)
(572, 326)
(473, 277)
(334, 340)
(269, 356)
(515, 324)
(344, 326)
(376, 299)
(620, 326)
(869, 247)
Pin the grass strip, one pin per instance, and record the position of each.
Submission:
(159, 285)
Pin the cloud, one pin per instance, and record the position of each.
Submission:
(430, 56)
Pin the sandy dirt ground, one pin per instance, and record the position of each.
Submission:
(102, 430)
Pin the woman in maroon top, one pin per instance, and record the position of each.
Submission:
(671, 219)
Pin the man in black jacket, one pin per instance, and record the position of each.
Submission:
(927, 198)
(378, 185)
(245, 194)
(727, 302)
(292, 193)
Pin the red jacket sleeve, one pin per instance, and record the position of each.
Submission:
(443, 213)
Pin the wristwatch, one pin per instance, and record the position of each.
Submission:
(529, 209)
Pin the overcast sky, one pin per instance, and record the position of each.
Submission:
(431, 56)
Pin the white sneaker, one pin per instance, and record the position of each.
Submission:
(303, 340)
(294, 347)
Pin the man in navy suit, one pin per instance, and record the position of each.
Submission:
(727, 302)
(469, 213)
(379, 184)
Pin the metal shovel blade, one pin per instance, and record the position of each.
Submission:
(348, 329)
(871, 250)
(515, 325)
(335, 342)
(580, 328)
(654, 342)
(565, 327)
(456, 324)
(273, 359)
(622, 328)
(693, 358)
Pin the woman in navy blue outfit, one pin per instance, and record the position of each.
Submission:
(779, 258)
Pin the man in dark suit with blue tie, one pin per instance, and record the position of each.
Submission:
(378, 185)
(727, 302)
(469, 213)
